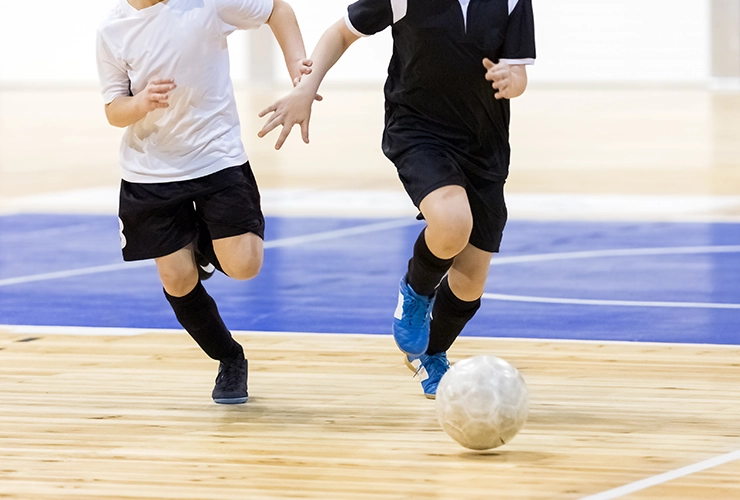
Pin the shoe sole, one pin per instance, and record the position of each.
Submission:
(231, 401)
(408, 364)
(413, 369)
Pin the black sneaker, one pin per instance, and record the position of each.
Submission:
(231, 382)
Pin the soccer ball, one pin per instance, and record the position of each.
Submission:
(482, 402)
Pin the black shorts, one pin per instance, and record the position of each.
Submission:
(425, 169)
(159, 219)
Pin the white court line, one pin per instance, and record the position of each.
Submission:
(618, 303)
(284, 242)
(73, 272)
(627, 252)
(664, 478)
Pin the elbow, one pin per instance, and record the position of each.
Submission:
(279, 9)
(113, 120)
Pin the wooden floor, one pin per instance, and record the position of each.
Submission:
(339, 416)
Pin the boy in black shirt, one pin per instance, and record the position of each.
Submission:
(455, 65)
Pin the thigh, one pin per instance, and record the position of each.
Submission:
(425, 169)
(240, 256)
(232, 207)
(155, 219)
(488, 207)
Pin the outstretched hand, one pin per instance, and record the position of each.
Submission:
(295, 108)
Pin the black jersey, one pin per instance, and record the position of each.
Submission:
(436, 91)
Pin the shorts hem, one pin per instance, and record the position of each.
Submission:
(430, 189)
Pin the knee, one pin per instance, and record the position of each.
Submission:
(243, 269)
(450, 233)
(178, 283)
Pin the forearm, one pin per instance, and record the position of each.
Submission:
(123, 111)
(284, 26)
(332, 44)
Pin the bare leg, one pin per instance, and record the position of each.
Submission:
(449, 220)
(240, 256)
(469, 272)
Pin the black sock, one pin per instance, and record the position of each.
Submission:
(198, 314)
(449, 317)
(425, 269)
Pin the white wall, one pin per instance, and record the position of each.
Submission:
(53, 42)
(623, 40)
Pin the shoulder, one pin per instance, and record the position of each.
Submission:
(107, 25)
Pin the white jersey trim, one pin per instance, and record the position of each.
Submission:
(512, 5)
(464, 6)
(399, 8)
(519, 62)
(352, 28)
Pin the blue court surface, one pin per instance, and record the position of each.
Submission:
(663, 282)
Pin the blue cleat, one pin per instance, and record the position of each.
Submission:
(411, 320)
(429, 368)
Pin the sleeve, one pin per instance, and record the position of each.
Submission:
(367, 17)
(519, 45)
(114, 81)
(242, 14)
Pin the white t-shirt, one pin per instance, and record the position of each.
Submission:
(199, 133)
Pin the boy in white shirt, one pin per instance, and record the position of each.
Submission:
(188, 195)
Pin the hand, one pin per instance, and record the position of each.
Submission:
(500, 75)
(305, 69)
(291, 109)
(156, 94)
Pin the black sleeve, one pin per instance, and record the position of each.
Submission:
(519, 39)
(368, 17)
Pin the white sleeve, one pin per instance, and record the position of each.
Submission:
(114, 81)
(242, 14)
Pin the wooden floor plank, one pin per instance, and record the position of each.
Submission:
(335, 416)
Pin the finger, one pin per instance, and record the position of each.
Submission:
(296, 80)
(307, 62)
(306, 70)
(318, 97)
(304, 131)
(268, 127)
(283, 135)
(162, 81)
(501, 82)
(488, 63)
(161, 89)
(267, 110)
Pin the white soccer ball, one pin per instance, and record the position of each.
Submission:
(482, 402)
